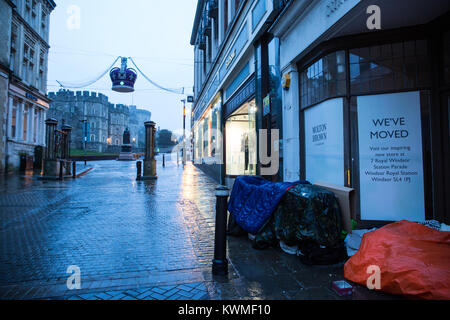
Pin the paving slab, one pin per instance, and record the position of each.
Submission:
(136, 240)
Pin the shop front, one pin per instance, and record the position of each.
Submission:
(240, 127)
(374, 116)
(207, 140)
(26, 114)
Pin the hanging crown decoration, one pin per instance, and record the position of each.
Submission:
(123, 78)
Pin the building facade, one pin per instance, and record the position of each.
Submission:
(91, 115)
(25, 33)
(359, 91)
(236, 66)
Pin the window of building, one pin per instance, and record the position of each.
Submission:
(34, 14)
(14, 46)
(14, 118)
(324, 79)
(42, 59)
(240, 130)
(28, 62)
(385, 82)
(26, 110)
(35, 126)
(43, 23)
(388, 67)
(225, 17)
(28, 10)
(208, 136)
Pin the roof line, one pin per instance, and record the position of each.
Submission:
(198, 15)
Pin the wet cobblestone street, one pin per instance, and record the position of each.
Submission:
(135, 240)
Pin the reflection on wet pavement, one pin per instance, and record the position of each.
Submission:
(126, 234)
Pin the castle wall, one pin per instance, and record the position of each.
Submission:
(107, 121)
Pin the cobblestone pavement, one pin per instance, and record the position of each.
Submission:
(135, 240)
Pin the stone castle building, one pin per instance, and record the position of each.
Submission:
(103, 121)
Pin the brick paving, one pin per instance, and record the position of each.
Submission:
(187, 291)
(120, 233)
(137, 240)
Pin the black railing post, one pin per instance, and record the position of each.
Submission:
(139, 170)
(61, 168)
(220, 262)
(74, 169)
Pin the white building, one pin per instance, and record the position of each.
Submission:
(358, 89)
(368, 104)
(28, 103)
(235, 68)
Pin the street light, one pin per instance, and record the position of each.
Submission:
(84, 121)
(184, 128)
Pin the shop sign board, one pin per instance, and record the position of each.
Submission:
(390, 157)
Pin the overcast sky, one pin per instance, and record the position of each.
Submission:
(155, 33)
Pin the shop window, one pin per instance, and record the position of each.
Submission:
(36, 114)
(240, 130)
(14, 118)
(26, 109)
(325, 78)
(207, 136)
(389, 67)
(390, 156)
(324, 142)
(206, 133)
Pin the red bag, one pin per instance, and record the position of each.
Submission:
(414, 260)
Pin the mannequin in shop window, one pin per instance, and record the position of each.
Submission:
(213, 147)
(244, 148)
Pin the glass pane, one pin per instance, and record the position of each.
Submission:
(25, 122)
(14, 119)
(324, 79)
(390, 67)
(241, 141)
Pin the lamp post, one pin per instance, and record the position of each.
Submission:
(184, 129)
(84, 121)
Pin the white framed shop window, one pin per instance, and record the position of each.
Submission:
(324, 142)
(390, 157)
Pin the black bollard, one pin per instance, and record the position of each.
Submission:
(220, 262)
(139, 169)
(61, 168)
(74, 169)
(164, 159)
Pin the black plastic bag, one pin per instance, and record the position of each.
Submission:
(266, 237)
(312, 253)
(233, 229)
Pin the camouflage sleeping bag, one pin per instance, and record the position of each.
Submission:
(309, 217)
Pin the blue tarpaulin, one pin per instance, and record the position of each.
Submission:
(254, 199)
